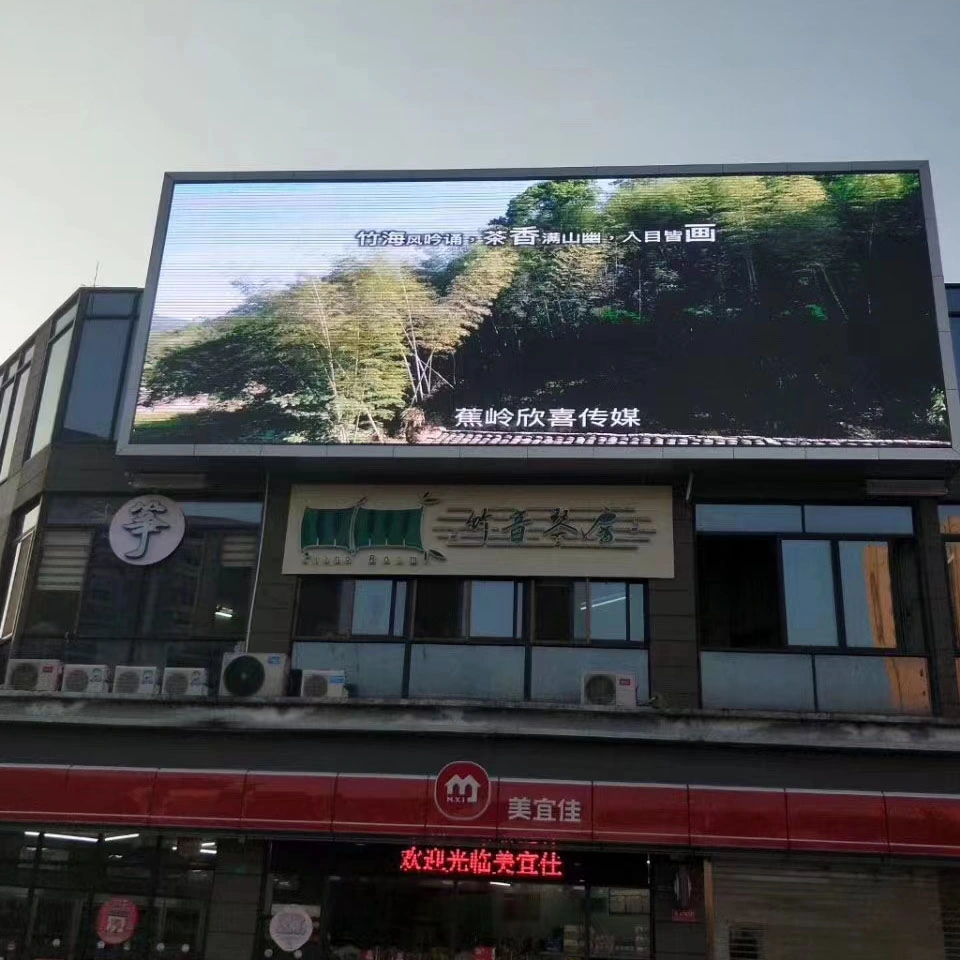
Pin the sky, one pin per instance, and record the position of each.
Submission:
(101, 97)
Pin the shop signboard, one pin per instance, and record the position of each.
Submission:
(627, 312)
(609, 531)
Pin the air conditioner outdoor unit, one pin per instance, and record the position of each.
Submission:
(323, 685)
(184, 682)
(131, 681)
(86, 679)
(36, 676)
(608, 689)
(253, 675)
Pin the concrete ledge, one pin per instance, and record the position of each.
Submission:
(872, 734)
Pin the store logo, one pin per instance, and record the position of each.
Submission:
(290, 928)
(117, 921)
(462, 790)
(146, 530)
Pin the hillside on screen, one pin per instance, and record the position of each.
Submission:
(781, 306)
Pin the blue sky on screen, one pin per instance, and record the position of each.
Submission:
(272, 233)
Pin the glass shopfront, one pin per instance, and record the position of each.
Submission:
(369, 903)
(72, 894)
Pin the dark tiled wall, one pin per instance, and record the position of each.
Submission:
(674, 660)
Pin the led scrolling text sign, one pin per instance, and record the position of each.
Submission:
(546, 865)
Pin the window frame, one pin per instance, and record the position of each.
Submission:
(526, 641)
(947, 539)
(23, 540)
(56, 334)
(17, 369)
(86, 312)
(841, 648)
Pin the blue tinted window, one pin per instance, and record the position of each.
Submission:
(893, 521)
(493, 608)
(97, 377)
(57, 354)
(808, 593)
(748, 518)
(112, 304)
(19, 391)
(867, 598)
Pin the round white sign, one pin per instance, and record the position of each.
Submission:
(291, 928)
(146, 530)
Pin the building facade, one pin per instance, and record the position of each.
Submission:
(448, 733)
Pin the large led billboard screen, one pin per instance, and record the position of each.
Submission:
(773, 309)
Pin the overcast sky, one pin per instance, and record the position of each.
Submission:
(100, 97)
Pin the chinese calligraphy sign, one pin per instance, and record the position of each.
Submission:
(621, 532)
(146, 530)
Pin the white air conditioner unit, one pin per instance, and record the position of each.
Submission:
(608, 689)
(253, 675)
(36, 676)
(86, 679)
(131, 681)
(323, 685)
(184, 682)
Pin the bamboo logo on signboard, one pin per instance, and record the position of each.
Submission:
(359, 528)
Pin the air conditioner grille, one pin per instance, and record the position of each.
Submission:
(176, 685)
(601, 689)
(316, 685)
(24, 676)
(75, 681)
(127, 681)
(244, 676)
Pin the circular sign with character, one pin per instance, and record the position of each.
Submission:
(291, 928)
(146, 530)
(117, 920)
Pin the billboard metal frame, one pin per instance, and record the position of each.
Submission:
(427, 452)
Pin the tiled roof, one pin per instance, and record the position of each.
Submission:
(487, 438)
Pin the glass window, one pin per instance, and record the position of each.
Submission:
(372, 601)
(112, 304)
(201, 591)
(19, 565)
(893, 521)
(949, 518)
(496, 608)
(808, 593)
(596, 611)
(57, 353)
(607, 611)
(437, 614)
(332, 607)
(10, 438)
(748, 518)
(619, 923)
(739, 592)
(867, 596)
(553, 604)
(97, 379)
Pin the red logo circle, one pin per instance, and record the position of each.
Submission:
(462, 790)
(117, 920)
